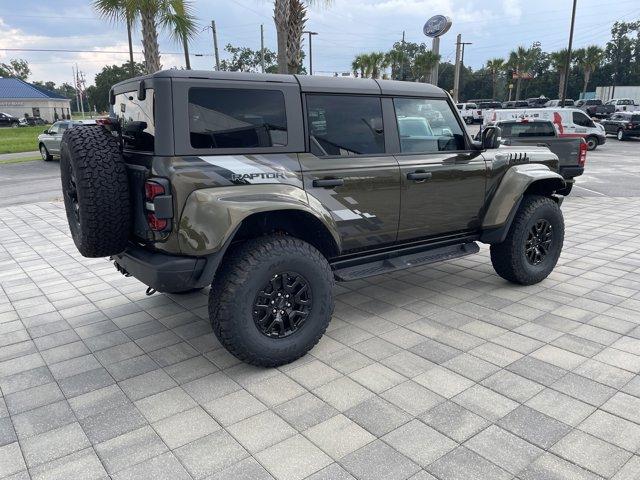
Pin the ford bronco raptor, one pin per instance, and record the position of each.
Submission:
(270, 187)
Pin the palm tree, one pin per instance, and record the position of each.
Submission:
(290, 18)
(423, 63)
(495, 66)
(117, 11)
(521, 60)
(559, 64)
(395, 59)
(589, 59)
(173, 15)
(358, 65)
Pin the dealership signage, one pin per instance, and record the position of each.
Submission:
(436, 26)
(11, 104)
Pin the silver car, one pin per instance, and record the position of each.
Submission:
(49, 140)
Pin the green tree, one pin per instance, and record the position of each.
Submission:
(174, 16)
(496, 67)
(244, 59)
(423, 64)
(559, 64)
(51, 86)
(589, 59)
(16, 68)
(98, 94)
(520, 60)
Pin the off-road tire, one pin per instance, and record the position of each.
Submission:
(44, 153)
(95, 185)
(245, 269)
(592, 143)
(509, 259)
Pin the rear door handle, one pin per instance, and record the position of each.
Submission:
(419, 176)
(328, 182)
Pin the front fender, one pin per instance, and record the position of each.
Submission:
(516, 181)
(212, 215)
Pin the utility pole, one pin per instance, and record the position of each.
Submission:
(79, 82)
(402, 59)
(310, 50)
(568, 61)
(459, 64)
(456, 74)
(215, 44)
(75, 84)
(262, 47)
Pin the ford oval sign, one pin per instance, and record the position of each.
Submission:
(436, 26)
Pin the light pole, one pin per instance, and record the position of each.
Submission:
(310, 50)
(568, 61)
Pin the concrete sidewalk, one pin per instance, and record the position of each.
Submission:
(16, 156)
(442, 372)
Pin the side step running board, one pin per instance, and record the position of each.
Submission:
(386, 265)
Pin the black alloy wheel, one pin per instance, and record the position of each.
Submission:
(538, 242)
(282, 305)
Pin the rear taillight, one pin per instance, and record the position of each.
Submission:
(158, 204)
(582, 155)
(631, 125)
(152, 190)
(156, 224)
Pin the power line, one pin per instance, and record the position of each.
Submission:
(65, 50)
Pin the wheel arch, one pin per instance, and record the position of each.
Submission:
(521, 180)
(214, 217)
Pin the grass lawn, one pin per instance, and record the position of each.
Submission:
(23, 139)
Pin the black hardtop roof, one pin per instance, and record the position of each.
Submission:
(308, 83)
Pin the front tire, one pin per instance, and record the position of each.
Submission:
(592, 143)
(620, 135)
(272, 300)
(533, 245)
(46, 156)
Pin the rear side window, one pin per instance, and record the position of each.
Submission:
(136, 118)
(237, 118)
(345, 125)
(427, 125)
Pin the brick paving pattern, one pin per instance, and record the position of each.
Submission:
(442, 372)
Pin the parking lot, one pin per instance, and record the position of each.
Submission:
(441, 372)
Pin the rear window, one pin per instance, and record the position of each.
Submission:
(485, 105)
(237, 118)
(594, 102)
(136, 118)
(527, 129)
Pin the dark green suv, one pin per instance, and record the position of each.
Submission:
(269, 187)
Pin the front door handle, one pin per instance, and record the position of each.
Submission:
(419, 176)
(328, 182)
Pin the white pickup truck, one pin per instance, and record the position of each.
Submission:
(624, 104)
(469, 112)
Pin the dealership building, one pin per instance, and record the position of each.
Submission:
(21, 99)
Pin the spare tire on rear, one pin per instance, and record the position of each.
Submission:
(95, 190)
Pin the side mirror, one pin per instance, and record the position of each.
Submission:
(490, 137)
(46, 130)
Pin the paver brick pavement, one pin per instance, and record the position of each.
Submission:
(441, 372)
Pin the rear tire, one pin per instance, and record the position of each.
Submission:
(253, 282)
(533, 245)
(566, 190)
(96, 190)
(592, 143)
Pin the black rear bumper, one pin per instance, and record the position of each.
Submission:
(167, 273)
(570, 172)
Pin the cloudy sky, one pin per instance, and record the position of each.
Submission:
(346, 28)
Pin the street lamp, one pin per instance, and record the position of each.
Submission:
(310, 50)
